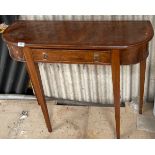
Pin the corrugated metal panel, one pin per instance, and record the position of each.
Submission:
(93, 83)
(13, 74)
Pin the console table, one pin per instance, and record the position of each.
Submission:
(112, 43)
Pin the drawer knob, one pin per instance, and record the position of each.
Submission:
(96, 57)
(45, 56)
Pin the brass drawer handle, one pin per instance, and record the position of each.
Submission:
(96, 57)
(45, 56)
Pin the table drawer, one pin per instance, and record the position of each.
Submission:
(70, 56)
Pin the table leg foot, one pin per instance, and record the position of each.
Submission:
(116, 88)
(142, 80)
(34, 74)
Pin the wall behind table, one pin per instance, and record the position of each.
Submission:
(93, 83)
(13, 75)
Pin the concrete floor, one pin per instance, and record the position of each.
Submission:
(24, 119)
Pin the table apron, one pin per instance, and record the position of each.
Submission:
(127, 56)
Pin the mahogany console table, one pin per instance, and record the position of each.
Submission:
(112, 43)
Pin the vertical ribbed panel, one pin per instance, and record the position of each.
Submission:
(93, 82)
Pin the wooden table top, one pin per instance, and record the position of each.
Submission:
(79, 34)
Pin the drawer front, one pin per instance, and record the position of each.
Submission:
(102, 57)
(70, 56)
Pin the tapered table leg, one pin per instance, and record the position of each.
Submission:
(142, 80)
(116, 88)
(34, 74)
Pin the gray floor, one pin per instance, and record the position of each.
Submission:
(24, 119)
